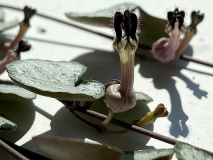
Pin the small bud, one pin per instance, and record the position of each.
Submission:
(150, 117)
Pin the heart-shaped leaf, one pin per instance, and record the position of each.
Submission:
(153, 28)
(60, 148)
(13, 92)
(186, 151)
(6, 124)
(140, 96)
(59, 80)
(152, 154)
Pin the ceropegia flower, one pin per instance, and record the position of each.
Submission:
(164, 49)
(120, 97)
(191, 30)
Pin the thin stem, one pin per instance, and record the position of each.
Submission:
(27, 153)
(68, 23)
(129, 126)
(116, 132)
(109, 117)
(84, 120)
(188, 58)
(57, 20)
(125, 125)
(99, 128)
(11, 151)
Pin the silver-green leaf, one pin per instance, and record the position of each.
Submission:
(140, 96)
(60, 148)
(151, 154)
(186, 151)
(60, 80)
(15, 93)
(6, 124)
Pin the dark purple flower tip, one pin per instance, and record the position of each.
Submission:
(28, 13)
(173, 17)
(23, 46)
(128, 22)
(118, 20)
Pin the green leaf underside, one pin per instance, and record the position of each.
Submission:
(55, 79)
(140, 96)
(13, 92)
(6, 124)
(186, 151)
(152, 29)
(152, 154)
(60, 148)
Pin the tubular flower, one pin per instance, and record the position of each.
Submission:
(164, 49)
(120, 97)
(191, 30)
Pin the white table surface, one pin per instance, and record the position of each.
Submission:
(185, 88)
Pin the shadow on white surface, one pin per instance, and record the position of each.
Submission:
(64, 124)
(162, 74)
(23, 114)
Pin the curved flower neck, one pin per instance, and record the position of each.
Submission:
(126, 49)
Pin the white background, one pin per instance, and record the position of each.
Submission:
(185, 88)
